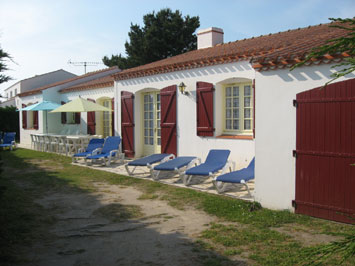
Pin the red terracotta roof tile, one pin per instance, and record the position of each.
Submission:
(103, 82)
(266, 51)
(40, 89)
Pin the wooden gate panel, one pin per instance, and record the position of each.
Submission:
(325, 150)
(127, 123)
(204, 109)
(168, 120)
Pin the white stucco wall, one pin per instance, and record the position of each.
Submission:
(276, 130)
(25, 134)
(188, 143)
(13, 90)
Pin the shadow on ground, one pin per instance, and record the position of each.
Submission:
(99, 227)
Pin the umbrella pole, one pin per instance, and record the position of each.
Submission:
(46, 123)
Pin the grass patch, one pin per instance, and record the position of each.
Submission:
(269, 247)
(148, 196)
(252, 236)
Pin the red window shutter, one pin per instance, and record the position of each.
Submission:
(24, 117)
(63, 115)
(35, 119)
(91, 121)
(113, 116)
(77, 118)
(127, 123)
(204, 108)
(254, 108)
(168, 120)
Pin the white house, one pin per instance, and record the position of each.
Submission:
(70, 123)
(238, 96)
(32, 83)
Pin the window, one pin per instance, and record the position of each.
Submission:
(15, 92)
(10, 94)
(238, 105)
(70, 118)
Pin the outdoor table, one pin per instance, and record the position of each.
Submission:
(62, 143)
(74, 142)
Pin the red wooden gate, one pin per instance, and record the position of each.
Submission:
(127, 123)
(91, 121)
(325, 150)
(168, 120)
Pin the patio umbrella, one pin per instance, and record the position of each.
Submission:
(42, 106)
(80, 105)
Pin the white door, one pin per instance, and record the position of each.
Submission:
(151, 123)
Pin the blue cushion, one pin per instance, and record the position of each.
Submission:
(176, 163)
(98, 156)
(216, 160)
(8, 138)
(111, 143)
(5, 145)
(154, 158)
(205, 169)
(82, 154)
(237, 176)
(93, 145)
(245, 174)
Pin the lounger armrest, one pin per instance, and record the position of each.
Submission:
(80, 150)
(13, 143)
(168, 158)
(229, 165)
(96, 151)
(193, 163)
(112, 152)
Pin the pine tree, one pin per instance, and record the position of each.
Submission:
(165, 34)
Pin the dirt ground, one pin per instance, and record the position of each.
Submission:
(114, 227)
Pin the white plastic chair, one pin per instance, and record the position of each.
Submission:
(40, 141)
(54, 141)
(47, 143)
(62, 142)
(34, 143)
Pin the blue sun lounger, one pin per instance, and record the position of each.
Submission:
(109, 151)
(148, 161)
(216, 160)
(92, 146)
(241, 176)
(9, 140)
(182, 162)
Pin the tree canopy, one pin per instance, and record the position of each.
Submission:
(164, 34)
(3, 67)
(342, 45)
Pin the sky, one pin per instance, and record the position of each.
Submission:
(43, 35)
